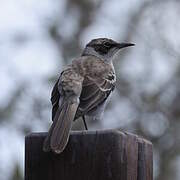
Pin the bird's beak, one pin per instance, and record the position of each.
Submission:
(123, 45)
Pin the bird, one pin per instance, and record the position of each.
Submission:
(82, 90)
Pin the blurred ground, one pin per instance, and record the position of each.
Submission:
(37, 38)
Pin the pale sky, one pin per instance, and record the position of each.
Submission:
(37, 58)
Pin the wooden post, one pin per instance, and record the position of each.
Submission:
(90, 155)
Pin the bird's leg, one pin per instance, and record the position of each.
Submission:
(84, 120)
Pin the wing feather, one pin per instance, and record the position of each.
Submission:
(93, 94)
(55, 97)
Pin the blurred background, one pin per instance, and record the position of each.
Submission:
(38, 38)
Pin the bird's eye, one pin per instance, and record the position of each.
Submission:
(107, 44)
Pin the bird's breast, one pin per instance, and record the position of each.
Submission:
(96, 68)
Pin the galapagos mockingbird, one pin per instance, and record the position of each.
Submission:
(82, 90)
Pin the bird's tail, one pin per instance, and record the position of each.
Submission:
(58, 134)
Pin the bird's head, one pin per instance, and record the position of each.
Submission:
(104, 48)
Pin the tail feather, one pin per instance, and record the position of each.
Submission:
(60, 134)
(46, 144)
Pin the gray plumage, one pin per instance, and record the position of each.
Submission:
(82, 89)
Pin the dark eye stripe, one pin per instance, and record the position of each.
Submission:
(106, 44)
(101, 49)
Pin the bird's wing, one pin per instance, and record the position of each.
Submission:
(55, 96)
(69, 88)
(94, 93)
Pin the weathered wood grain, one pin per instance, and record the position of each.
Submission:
(90, 155)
